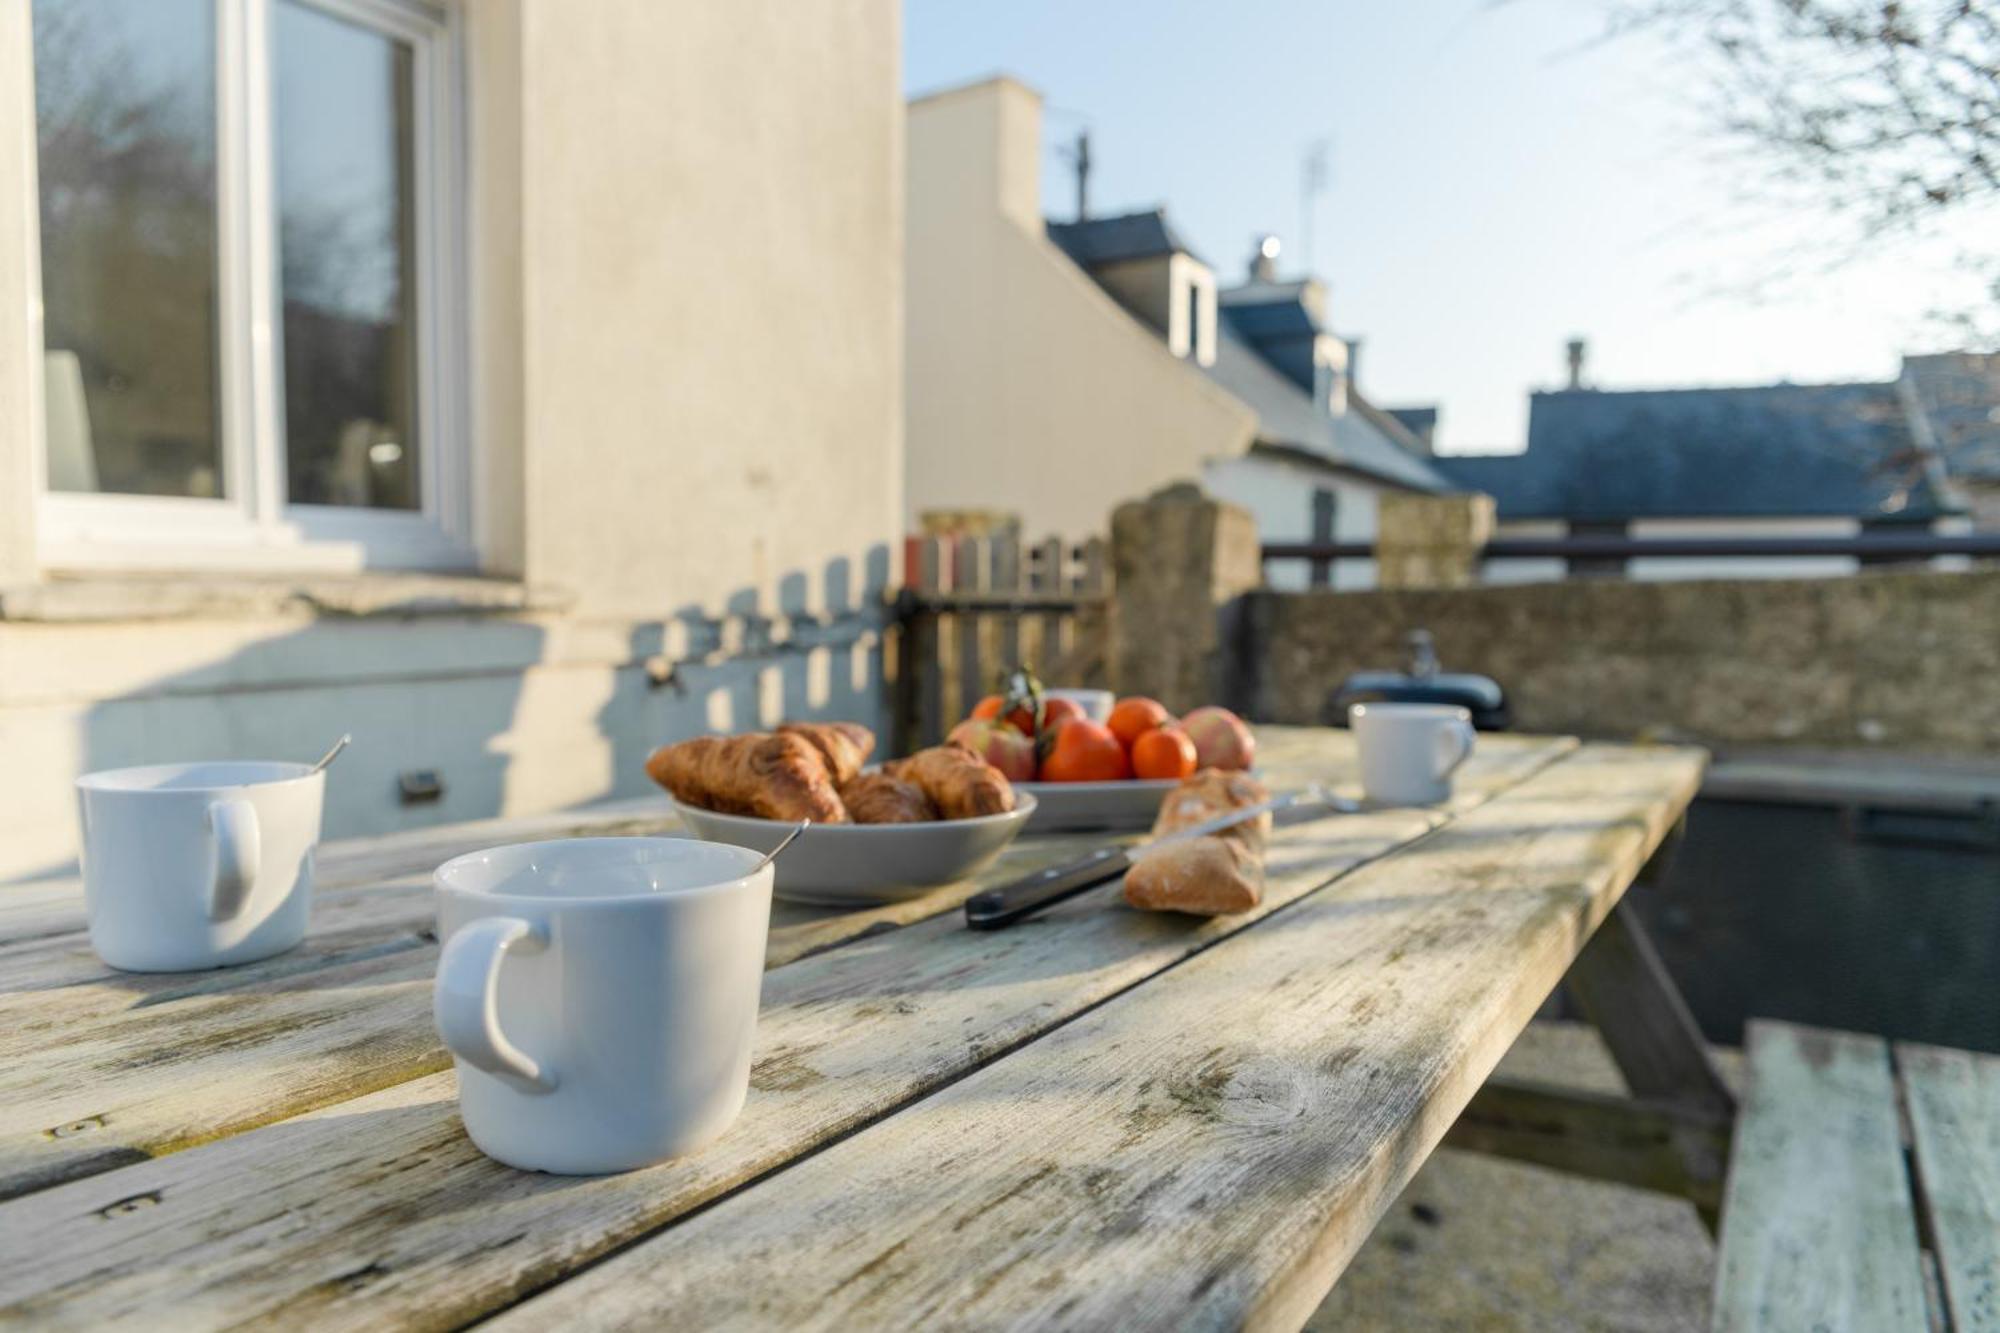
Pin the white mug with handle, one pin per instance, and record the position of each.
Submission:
(599, 996)
(1410, 751)
(190, 866)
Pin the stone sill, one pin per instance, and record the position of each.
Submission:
(88, 598)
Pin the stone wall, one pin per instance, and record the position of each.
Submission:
(1906, 661)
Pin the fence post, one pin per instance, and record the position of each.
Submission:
(1431, 541)
(1181, 562)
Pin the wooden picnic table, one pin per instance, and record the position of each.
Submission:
(1100, 1116)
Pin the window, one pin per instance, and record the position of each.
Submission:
(250, 313)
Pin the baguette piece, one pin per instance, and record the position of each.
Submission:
(762, 774)
(1206, 876)
(1211, 875)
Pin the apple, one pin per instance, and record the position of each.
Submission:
(1000, 744)
(1220, 738)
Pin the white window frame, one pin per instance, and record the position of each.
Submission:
(254, 527)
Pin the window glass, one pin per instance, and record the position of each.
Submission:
(346, 212)
(125, 125)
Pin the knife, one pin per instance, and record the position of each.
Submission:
(1016, 901)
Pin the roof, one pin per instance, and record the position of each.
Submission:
(1287, 417)
(1959, 396)
(1096, 241)
(1782, 450)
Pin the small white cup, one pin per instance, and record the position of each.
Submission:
(1409, 751)
(1096, 704)
(191, 866)
(599, 996)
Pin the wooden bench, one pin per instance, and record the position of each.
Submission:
(1864, 1187)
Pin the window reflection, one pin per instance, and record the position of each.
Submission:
(347, 222)
(125, 126)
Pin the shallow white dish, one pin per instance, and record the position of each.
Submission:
(1065, 806)
(864, 865)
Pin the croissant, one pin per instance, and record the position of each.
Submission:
(770, 776)
(963, 785)
(877, 798)
(844, 745)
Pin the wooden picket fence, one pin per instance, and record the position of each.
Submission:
(976, 607)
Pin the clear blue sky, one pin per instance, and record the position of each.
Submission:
(1496, 187)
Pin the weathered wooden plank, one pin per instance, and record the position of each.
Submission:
(1954, 1103)
(1642, 1142)
(1050, 579)
(1207, 1150)
(1818, 1230)
(1623, 988)
(972, 673)
(53, 910)
(115, 1078)
(1007, 579)
(379, 1211)
(120, 1066)
(54, 988)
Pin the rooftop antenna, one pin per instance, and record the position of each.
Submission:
(1079, 156)
(1315, 173)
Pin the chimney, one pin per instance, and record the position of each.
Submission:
(1354, 363)
(1576, 349)
(1264, 260)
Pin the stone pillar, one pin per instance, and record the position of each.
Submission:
(1181, 563)
(1430, 541)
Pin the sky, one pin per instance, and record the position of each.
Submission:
(1500, 182)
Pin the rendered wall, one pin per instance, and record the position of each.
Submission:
(686, 361)
(1028, 387)
(1905, 661)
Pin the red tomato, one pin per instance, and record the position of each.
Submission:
(1085, 752)
(1134, 717)
(1163, 752)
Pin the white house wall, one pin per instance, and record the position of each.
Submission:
(1791, 567)
(687, 290)
(1028, 388)
(1280, 493)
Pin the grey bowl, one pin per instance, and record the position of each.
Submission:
(1133, 803)
(863, 865)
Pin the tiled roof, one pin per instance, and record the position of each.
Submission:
(1288, 417)
(1959, 395)
(1106, 240)
(1770, 451)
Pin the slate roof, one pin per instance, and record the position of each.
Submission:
(1107, 240)
(1782, 450)
(1287, 417)
(1959, 395)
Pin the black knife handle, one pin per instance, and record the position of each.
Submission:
(1005, 905)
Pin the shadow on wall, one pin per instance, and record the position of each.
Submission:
(512, 715)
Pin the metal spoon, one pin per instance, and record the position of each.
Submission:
(332, 754)
(783, 843)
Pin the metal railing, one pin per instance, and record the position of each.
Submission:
(1872, 546)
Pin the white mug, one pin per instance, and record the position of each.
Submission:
(599, 996)
(1096, 704)
(1409, 751)
(190, 866)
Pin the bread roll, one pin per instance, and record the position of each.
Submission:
(769, 776)
(963, 785)
(1211, 875)
(877, 798)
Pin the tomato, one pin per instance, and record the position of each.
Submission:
(1163, 752)
(1134, 717)
(1055, 712)
(1085, 752)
